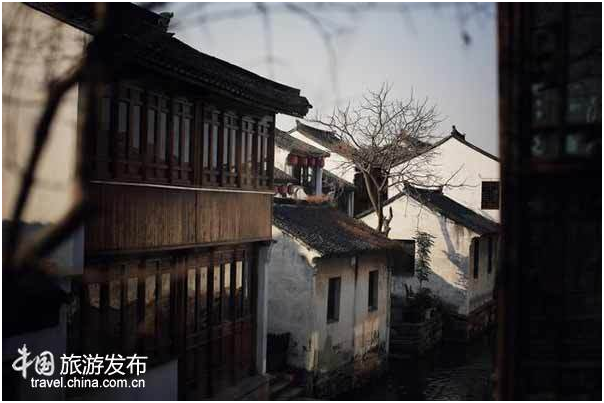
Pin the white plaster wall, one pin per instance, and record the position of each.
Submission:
(36, 49)
(467, 167)
(290, 277)
(281, 158)
(450, 253)
(481, 288)
(358, 329)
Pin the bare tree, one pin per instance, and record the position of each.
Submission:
(388, 141)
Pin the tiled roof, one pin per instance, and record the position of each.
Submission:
(341, 182)
(288, 142)
(327, 230)
(280, 177)
(449, 208)
(326, 138)
(436, 200)
(142, 38)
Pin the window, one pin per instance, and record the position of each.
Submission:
(133, 307)
(211, 123)
(490, 196)
(176, 139)
(186, 147)
(229, 150)
(206, 146)
(148, 135)
(490, 263)
(151, 129)
(163, 136)
(136, 128)
(373, 290)
(333, 299)
(476, 256)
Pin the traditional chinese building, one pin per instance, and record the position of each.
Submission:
(463, 219)
(313, 167)
(172, 263)
(329, 277)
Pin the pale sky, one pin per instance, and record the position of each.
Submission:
(420, 49)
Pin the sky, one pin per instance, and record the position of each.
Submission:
(414, 47)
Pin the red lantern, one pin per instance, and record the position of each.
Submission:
(292, 159)
(321, 162)
(283, 190)
(312, 161)
(303, 161)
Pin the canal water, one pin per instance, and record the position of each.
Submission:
(450, 372)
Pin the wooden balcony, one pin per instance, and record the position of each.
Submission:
(143, 217)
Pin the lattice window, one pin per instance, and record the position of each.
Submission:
(490, 196)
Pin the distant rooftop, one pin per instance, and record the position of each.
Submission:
(327, 230)
(141, 36)
(449, 208)
(288, 142)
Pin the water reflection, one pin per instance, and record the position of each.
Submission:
(452, 372)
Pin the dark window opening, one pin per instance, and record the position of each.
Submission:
(373, 290)
(490, 196)
(403, 262)
(333, 299)
(476, 257)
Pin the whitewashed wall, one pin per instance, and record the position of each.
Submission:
(298, 287)
(358, 329)
(481, 288)
(450, 253)
(281, 158)
(290, 278)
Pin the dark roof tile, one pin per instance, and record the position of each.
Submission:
(290, 143)
(449, 208)
(329, 231)
(142, 38)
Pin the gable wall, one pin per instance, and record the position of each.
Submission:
(474, 168)
(450, 253)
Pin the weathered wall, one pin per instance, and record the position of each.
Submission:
(290, 277)
(481, 288)
(36, 49)
(450, 253)
(358, 330)
(281, 158)
(467, 167)
(340, 351)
